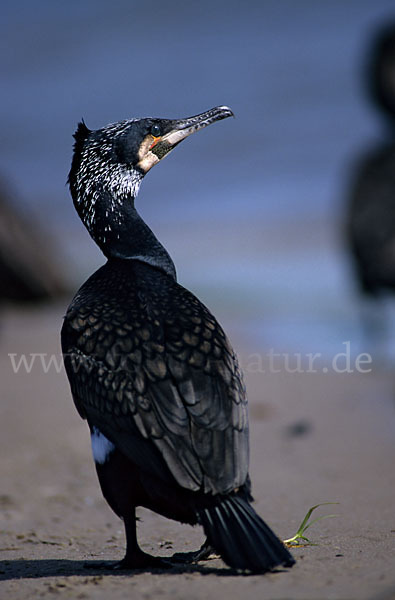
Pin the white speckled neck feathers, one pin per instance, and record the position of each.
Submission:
(103, 191)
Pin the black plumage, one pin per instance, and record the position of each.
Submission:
(150, 368)
(370, 222)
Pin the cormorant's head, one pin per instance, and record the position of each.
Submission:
(380, 70)
(110, 163)
(117, 157)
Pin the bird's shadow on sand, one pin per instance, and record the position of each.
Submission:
(42, 568)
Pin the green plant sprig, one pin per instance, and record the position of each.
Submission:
(305, 524)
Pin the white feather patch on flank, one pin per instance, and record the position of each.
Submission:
(101, 446)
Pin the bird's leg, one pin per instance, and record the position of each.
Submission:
(134, 558)
(205, 552)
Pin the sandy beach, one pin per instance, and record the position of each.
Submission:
(315, 437)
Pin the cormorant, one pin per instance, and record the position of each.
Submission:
(150, 368)
(370, 224)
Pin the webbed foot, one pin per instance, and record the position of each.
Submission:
(205, 552)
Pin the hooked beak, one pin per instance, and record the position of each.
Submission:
(185, 127)
(158, 147)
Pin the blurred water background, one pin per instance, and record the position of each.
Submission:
(252, 209)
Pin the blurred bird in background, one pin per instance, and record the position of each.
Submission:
(29, 265)
(371, 211)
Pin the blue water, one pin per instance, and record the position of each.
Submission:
(251, 209)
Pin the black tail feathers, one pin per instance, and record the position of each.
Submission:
(242, 538)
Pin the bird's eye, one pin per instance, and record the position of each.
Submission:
(155, 130)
